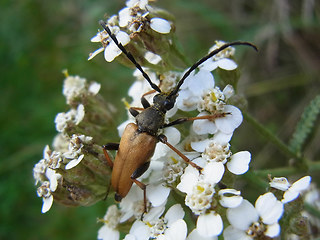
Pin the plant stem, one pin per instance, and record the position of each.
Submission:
(301, 163)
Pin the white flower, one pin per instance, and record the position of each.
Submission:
(291, 192)
(73, 117)
(47, 188)
(111, 50)
(111, 220)
(296, 188)
(193, 88)
(75, 150)
(160, 25)
(214, 151)
(244, 219)
(73, 86)
(221, 59)
(133, 203)
(47, 198)
(230, 198)
(171, 226)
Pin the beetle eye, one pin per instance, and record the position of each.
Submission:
(168, 104)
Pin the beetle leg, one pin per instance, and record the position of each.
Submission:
(109, 146)
(134, 111)
(144, 102)
(137, 173)
(182, 120)
(162, 138)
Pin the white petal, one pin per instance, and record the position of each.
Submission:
(95, 53)
(124, 17)
(157, 195)
(213, 172)
(289, 196)
(173, 135)
(227, 64)
(174, 213)
(301, 185)
(152, 57)
(194, 235)
(228, 91)
(188, 180)
(201, 82)
(269, 208)
(272, 230)
(140, 230)
(200, 146)
(187, 101)
(231, 233)
(231, 121)
(209, 65)
(222, 138)
(230, 201)
(94, 88)
(47, 203)
(242, 216)
(204, 126)
(160, 25)
(106, 233)
(129, 237)
(53, 178)
(74, 162)
(177, 231)
(280, 183)
(112, 50)
(154, 214)
(209, 225)
(239, 162)
(80, 114)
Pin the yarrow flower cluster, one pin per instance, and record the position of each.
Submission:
(137, 18)
(65, 173)
(200, 175)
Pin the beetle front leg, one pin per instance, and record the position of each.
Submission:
(137, 173)
(109, 146)
(162, 138)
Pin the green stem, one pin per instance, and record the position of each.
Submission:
(286, 171)
(312, 210)
(301, 162)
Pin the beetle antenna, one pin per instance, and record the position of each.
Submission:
(211, 54)
(129, 56)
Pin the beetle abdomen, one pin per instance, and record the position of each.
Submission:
(135, 149)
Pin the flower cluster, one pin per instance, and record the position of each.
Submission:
(196, 183)
(208, 194)
(138, 22)
(74, 172)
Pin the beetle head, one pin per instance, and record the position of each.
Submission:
(164, 101)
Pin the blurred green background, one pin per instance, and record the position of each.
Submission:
(41, 38)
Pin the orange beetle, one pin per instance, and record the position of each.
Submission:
(139, 139)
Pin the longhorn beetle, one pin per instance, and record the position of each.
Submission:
(139, 139)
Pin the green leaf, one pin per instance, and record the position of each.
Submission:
(305, 125)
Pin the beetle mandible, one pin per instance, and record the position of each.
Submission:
(139, 139)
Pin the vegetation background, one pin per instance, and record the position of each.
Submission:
(41, 38)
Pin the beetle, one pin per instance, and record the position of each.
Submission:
(139, 139)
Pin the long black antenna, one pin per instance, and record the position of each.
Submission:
(129, 56)
(211, 54)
